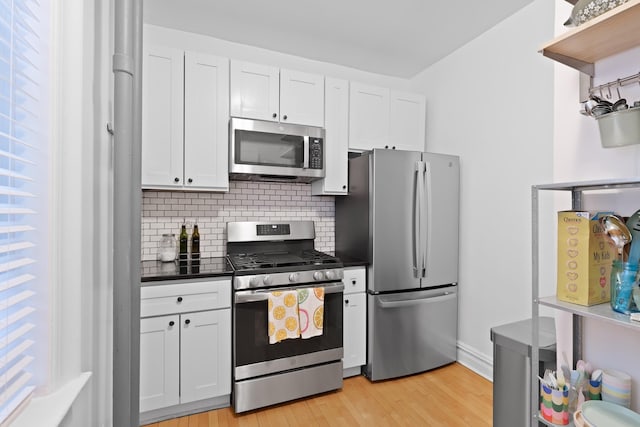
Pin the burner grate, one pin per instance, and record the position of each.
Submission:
(265, 260)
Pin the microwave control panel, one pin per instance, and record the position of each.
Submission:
(315, 153)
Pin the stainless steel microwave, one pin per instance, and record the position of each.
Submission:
(271, 151)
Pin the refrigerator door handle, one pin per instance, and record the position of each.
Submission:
(409, 302)
(426, 219)
(416, 221)
(421, 223)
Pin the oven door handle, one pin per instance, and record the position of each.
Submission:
(255, 296)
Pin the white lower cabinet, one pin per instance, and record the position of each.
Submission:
(205, 362)
(354, 321)
(159, 357)
(185, 356)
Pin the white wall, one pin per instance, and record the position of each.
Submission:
(491, 102)
(80, 283)
(191, 41)
(578, 155)
(82, 338)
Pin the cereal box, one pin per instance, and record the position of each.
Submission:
(584, 259)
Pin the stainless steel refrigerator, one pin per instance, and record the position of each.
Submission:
(402, 215)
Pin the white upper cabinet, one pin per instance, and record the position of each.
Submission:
(162, 117)
(255, 91)
(368, 117)
(268, 93)
(185, 114)
(383, 118)
(301, 98)
(206, 121)
(336, 139)
(407, 121)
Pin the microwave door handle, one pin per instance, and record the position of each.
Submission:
(305, 163)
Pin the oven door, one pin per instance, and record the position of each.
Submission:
(254, 356)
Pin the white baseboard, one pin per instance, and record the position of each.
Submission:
(184, 409)
(475, 360)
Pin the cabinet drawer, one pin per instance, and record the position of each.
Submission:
(355, 280)
(157, 300)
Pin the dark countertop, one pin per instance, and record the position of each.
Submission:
(152, 271)
(349, 261)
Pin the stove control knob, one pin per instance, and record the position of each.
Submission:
(255, 281)
(294, 277)
(330, 274)
(318, 275)
(267, 280)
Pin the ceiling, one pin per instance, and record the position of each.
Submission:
(396, 38)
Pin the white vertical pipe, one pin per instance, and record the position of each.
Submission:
(126, 238)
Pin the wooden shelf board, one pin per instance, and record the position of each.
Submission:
(602, 312)
(610, 33)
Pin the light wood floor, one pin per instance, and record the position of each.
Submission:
(449, 396)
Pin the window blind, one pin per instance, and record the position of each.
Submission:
(23, 198)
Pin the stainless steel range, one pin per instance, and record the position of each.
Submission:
(280, 256)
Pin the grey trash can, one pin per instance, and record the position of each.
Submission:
(512, 368)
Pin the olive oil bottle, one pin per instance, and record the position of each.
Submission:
(184, 239)
(195, 243)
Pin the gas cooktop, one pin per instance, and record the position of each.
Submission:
(267, 254)
(258, 261)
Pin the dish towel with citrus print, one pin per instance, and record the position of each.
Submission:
(311, 311)
(283, 316)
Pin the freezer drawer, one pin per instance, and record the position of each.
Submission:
(411, 332)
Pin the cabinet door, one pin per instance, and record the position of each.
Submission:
(162, 117)
(255, 91)
(301, 98)
(336, 139)
(368, 117)
(354, 280)
(205, 358)
(354, 330)
(407, 121)
(206, 122)
(159, 362)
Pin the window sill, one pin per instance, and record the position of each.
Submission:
(50, 410)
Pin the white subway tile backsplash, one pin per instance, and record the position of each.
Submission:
(164, 211)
